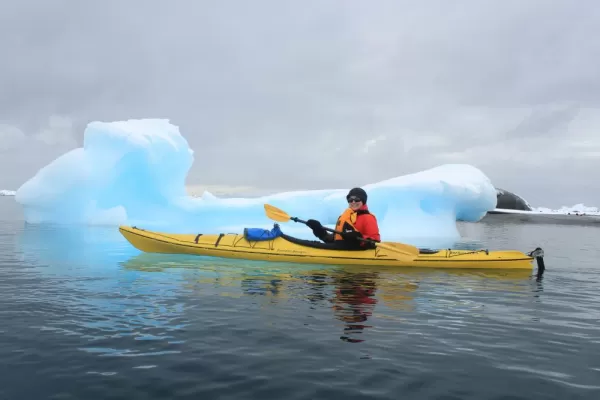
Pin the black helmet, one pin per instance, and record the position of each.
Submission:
(357, 192)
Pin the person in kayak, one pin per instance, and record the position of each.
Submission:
(355, 222)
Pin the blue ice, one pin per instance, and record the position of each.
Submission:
(134, 172)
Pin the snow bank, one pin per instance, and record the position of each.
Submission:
(578, 209)
(133, 172)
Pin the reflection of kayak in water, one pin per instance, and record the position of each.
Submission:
(285, 248)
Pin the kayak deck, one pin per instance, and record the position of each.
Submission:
(289, 249)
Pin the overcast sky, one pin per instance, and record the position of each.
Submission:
(315, 94)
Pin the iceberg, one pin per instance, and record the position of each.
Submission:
(5, 192)
(133, 172)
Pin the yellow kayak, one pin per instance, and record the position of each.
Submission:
(284, 248)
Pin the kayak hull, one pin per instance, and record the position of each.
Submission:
(288, 249)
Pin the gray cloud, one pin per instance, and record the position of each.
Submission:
(279, 96)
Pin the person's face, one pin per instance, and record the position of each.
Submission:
(355, 203)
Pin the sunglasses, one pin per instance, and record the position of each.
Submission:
(354, 200)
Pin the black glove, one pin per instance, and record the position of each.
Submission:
(352, 236)
(369, 245)
(314, 224)
(316, 227)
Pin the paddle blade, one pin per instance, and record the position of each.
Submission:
(276, 214)
(403, 252)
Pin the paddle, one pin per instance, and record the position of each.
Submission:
(405, 252)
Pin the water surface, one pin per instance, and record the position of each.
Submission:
(85, 316)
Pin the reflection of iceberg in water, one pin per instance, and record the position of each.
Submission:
(76, 271)
(59, 246)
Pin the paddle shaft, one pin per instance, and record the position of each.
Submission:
(295, 219)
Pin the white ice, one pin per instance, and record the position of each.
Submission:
(5, 192)
(134, 172)
(575, 209)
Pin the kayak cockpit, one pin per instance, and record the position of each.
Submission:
(339, 245)
(317, 244)
(261, 234)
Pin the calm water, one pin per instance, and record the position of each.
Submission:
(85, 316)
